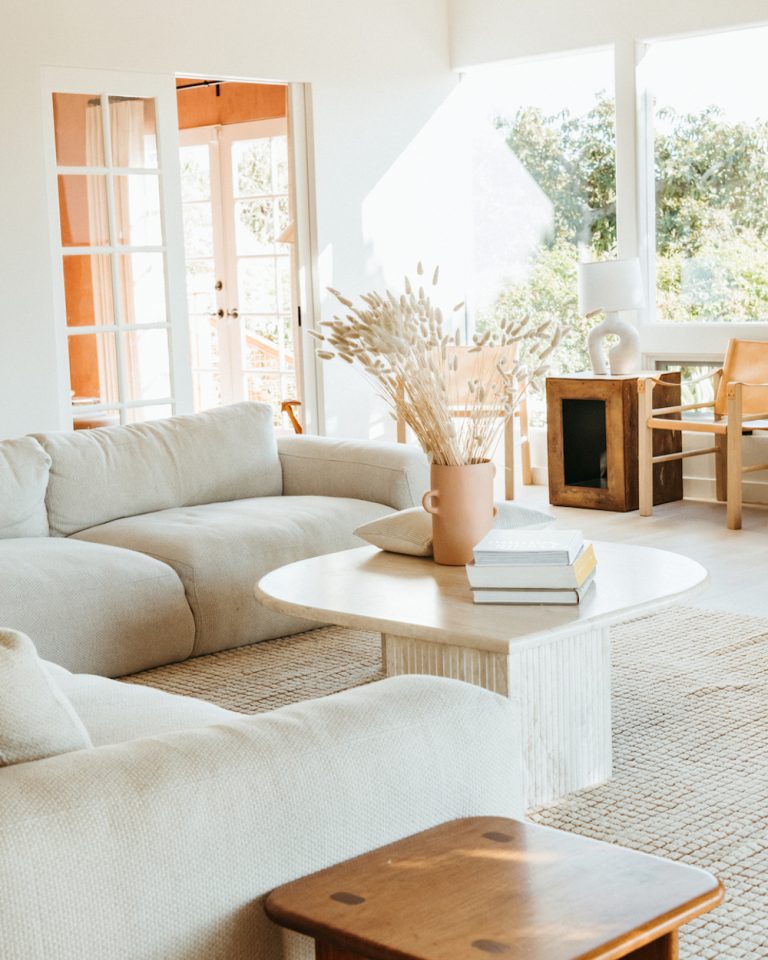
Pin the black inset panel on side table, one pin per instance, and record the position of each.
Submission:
(584, 443)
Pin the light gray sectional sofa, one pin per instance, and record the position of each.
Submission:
(139, 825)
(124, 548)
(160, 841)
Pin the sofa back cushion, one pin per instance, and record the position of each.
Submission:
(111, 472)
(24, 469)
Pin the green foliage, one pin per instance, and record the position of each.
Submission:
(711, 180)
(549, 291)
(711, 222)
(573, 161)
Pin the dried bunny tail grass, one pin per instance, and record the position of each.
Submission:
(399, 341)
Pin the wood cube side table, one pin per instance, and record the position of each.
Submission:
(485, 886)
(592, 434)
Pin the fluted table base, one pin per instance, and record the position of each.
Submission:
(562, 687)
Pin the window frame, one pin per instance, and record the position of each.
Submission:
(636, 219)
(161, 89)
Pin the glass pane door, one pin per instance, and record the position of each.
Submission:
(205, 263)
(114, 235)
(240, 269)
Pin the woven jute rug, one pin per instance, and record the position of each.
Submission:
(690, 716)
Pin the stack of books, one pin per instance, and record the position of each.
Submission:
(532, 566)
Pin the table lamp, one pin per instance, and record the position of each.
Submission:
(612, 286)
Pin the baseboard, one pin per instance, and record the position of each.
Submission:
(540, 476)
(703, 488)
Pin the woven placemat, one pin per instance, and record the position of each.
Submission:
(690, 719)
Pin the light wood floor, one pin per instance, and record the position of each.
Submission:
(737, 560)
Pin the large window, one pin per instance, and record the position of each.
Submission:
(544, 188)
(684, 160)
(708, 218)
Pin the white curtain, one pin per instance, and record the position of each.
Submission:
(126, 124)
(101, 269)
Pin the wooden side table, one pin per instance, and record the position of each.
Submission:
(492, 886)
(592, 441)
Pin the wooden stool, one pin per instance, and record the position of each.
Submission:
(488, 885)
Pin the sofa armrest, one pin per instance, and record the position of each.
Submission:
(162, 847)
(394, 474)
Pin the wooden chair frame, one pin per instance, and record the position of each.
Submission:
(727, 431)
(287, 407)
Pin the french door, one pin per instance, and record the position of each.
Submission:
(118, 246)
(241, 270)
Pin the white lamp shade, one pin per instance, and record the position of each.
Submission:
(610, 285)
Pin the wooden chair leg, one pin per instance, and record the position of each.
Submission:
(733, 442)
(525, 444)
(509, 459)
(645, 447)
(721, 468)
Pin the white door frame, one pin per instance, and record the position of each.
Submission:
(162, 89)
(306, 289)
(306, 273)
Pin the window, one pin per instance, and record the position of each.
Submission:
(239, 268)
(698, 384)
(113, 248)
(708, 222)
(544, 188)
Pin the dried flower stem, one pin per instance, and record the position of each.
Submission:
(455, 399)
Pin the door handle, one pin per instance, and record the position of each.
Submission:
(234, 313)
(216, 313)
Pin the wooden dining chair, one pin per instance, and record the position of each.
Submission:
(466, 370)
(740, 407)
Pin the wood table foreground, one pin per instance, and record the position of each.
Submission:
(489, 885)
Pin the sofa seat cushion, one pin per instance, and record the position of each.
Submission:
(220, 551)
(92, 608)
(113, 712)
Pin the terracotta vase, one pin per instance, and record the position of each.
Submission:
(461, 504)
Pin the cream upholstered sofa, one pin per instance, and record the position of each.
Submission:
(160, 841)
(124, 548)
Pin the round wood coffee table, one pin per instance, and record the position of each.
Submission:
(552, 661)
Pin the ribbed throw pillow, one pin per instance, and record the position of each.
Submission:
(410, 531)
(36, 719)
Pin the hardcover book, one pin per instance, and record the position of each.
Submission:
(534, 575)
(562, 597)
(501, 547)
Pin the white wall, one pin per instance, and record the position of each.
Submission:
(379, 72)
(483, 31)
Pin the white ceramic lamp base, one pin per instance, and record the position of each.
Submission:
(624, 357)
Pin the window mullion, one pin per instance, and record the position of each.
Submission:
(646, 185)
(627, 205)
(117, 300)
